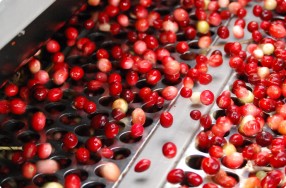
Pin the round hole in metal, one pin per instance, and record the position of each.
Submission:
(181, 37)
(89, 93)
(188, 56)
(107, 142)
(83, 130)
(194, 161)
(55, 134)
(81, 173)
(121, 153)
(55, 108)
(28, 136)
(152, 109)
(171, 83)
(171, 48)
(148, 122)
(63, 161)
(106, 101)
(219, 113)
(90, 68)
(94, 185)
(70, 119)
(128, 139)
(5, 140)
(13, 125)
(41, 179)
(194, 45)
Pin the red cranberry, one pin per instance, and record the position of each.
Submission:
(53, 46)
(72, 181)
(142, 165)
(55, 94)
(93, 144)
(175, 176)
(207, 97)
(137, 130)
(166, 119)
(111, 130)
(38, 121)
(195, 114)
(17, 106)
(89, 107)
(29, 150)
(70, 140)
(11, 90)
(169, 150)
(82, 155)
(210, 165)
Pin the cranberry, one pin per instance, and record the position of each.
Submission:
(70, 140)
(93, 144)
(4, 107)
(186, 92)
(71, 33)
(194, 179)
(137, 130)
(29, 170)
(153, 77)
(257, 10)
(206, 97)
(11, 90)
(55, 94)
(210, 165)
(175, 176)
(29, 150)
(195, 114)
(169, 150)
(79, 102)
(89, 107)
(111, 130)
(278, 160)
(82, 155)
(17, 106)
(76, 73)
(38, 121)
(44, 150)
(53, 46)
(72, 181)
(166, 119)
(142, 165)
(236, 139)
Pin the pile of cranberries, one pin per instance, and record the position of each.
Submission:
(113, 66)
